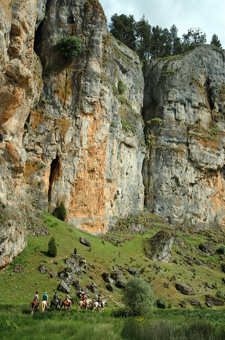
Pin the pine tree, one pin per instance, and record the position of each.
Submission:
(215, 41)
(52, 249)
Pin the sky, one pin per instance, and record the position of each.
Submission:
(208, 15)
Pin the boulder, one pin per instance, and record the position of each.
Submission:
(85, 242)
(182, 304)
(106, 277)
(184, 289)
(158, 248)
(132, 270)
(110, 287)
(116, 275)
(52, 274)
(77, 285)
(195, 302)
(64, 287)
(211, 301)
(42, 269)
(207, 248)
(120, 283)
(92, 287)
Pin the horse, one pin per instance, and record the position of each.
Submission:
(98, 305)
(65, 304)
(34, 305)
(84, 304)
(44, 305)
(56, 303)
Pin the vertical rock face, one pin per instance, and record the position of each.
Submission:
(19, 88)
(87, 137)
(68, 133)
(185, 114)
(73, 132)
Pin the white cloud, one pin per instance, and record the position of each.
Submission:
(205, 14)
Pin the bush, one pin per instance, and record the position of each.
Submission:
(221, 294)
(221, 249)
(52, 250)
(138, 296)
(69, 47)
(60, 212)
(121, 87)
(160, 303)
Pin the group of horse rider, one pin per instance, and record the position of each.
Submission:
(68, 298)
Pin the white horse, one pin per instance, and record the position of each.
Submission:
(98, 305)
(44, 306)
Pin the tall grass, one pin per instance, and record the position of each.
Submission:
(164, 330)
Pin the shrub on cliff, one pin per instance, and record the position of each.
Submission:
(60, 212)
(52, 249)
(69, 47)
(138, 296)
(121, 87)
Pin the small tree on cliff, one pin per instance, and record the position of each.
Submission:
(60, 212)
(52, 249)
(69, 47)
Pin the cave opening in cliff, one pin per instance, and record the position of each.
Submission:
(54, 175)
(209, 93)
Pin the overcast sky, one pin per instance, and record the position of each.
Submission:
(209, 15)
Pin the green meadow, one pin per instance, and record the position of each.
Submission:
(117, 248)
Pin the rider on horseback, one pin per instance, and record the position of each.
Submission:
(56, 298)
(68, 298)
(36, 297)
(45, 297)
(84, 299)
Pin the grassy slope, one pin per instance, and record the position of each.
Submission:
(20, 287)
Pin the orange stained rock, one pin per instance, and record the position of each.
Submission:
(218, 200)
(90, 194)
(14, 102)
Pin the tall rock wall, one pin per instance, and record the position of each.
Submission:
(184, 110)
(73, 132)
(68, 133)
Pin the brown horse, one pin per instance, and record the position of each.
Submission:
(34, 305)
(65, 304)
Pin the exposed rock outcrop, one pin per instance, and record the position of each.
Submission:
(67, 133)
(159, 247)
(70, 133)
(185, 123)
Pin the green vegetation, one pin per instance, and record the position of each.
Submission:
(60, 212)
(221, 249)
(52, 250)
(69, 47)
(138, 297)
(17, 323)
(128, 127)
(121, 87)
(121, 247)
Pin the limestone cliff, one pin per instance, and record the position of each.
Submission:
(67, 133)
(185, 130)
(73, 132)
